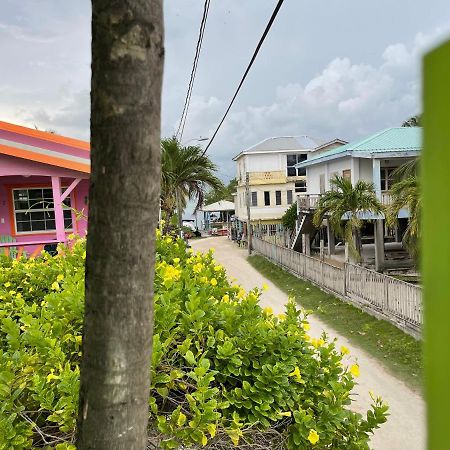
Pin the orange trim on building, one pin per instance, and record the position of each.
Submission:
(45, 159)
(45, 135)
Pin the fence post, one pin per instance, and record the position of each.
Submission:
(322, 278)
(345, 278)
(386, 295)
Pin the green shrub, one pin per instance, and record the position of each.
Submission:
(290, 217)
(224, 371)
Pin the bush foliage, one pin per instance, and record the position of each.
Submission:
(225, 372)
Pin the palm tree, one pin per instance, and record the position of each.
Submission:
(344, 204)
(185, 174)
(414, 121)
(406, 193)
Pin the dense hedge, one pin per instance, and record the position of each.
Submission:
(224, 371)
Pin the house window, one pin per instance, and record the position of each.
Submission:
(387, 178)
(254, 199)
(300, 186)
(289, 197)
(291, 161)
(347, 174)
(278, 197)
(266, 198)
(34, 210)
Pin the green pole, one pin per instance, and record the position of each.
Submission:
(436, 244)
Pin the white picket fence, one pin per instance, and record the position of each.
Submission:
(379, 294)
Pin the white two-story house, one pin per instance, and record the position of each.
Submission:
(273, 178)
(372, 159)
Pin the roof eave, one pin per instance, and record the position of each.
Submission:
(323, 159)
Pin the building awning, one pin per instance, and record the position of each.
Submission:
(222, 205)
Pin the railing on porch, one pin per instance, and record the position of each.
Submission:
(310, 201)
(16, 249)
(378, 294)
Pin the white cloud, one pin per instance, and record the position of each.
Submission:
(346, 99)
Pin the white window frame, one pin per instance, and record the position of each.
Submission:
(28, 210)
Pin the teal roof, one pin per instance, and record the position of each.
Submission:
(391, 140)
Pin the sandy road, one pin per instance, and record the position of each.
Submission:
(405, 428)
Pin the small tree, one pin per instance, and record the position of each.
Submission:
(406, 194)
(290, 217)
(222, 193)
(344, 206)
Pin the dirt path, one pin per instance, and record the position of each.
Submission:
(405, 428)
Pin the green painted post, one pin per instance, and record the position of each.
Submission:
(436, 243)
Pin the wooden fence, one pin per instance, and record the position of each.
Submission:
(378, 294)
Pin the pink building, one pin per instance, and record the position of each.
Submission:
(44, 181)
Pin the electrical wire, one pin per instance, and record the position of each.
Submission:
(255, 53)
(187, 101)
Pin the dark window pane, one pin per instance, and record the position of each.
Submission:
(291, 160)
(23, 226)
(67, 223)
(67, 214)
(22, 217)
(50, 225)
(20, 204)
(300, 186)
(37, 204)
(38, 225)
(289, 197)
(266, 198)
(37, 215)
(67, 201)
(301, 172)
(35, 194)
(49, 214)
(254, 199)
(48, 194)
(20, 194)
(278, 197)
(302, 157)
(291, 172)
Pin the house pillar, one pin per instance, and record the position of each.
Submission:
(331, 239)
(354, 171)
(59, 215)
(379, 245)
(376, 177)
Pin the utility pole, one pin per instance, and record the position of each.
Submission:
(249, 227)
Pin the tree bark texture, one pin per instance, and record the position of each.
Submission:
(127, 66)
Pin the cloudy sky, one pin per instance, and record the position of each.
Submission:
(329, 68)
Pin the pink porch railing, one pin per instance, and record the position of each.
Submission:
(20, 246)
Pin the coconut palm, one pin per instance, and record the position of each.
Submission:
(344, 205)
(185, 175)
(406, 193)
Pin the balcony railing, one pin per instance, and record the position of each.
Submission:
(310, 201)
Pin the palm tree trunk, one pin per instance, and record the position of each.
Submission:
(356, 233)
(127, 62)
(180, 214)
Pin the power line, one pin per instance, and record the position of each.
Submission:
(194, 70)
(263, 37)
